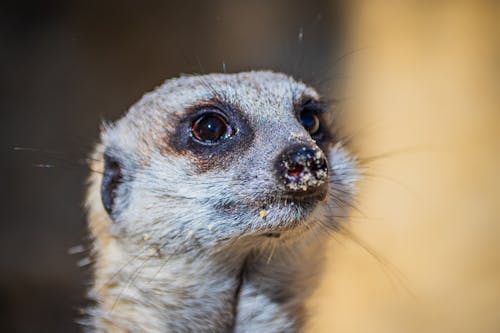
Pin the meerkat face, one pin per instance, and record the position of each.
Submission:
(205, 159)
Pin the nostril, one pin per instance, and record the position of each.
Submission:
(319, 164)
(295, 170)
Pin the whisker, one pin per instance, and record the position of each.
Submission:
(391, 271)
(417, 149)
(136, 273)
(134, 277)
(393, 181)
(120, 270)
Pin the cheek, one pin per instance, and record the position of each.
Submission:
(344, 174)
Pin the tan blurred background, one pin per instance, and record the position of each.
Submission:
(418, 82)
(424, 86)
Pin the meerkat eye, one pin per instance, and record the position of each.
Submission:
(310, 121)
(211, 127)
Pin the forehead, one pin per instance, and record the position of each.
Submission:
(259, 93)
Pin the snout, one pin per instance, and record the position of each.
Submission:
(302, 168)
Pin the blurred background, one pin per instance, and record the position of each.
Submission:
(417, 81)
(424, 107)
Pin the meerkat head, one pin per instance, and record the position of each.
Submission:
(206, 159)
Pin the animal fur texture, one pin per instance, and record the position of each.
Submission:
(200, 239)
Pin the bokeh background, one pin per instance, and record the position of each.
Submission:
(417, 82)
(425, 104)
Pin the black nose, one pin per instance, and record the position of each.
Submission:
(303, 168)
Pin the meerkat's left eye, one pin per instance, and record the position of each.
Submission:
(310, 121)
(211, 127)
(309, 117)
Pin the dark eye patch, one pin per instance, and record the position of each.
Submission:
(312, 115)
(213, 133)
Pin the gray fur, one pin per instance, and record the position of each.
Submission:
(186, 251)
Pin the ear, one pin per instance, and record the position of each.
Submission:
(112, 178)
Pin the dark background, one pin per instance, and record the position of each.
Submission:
(67, 65)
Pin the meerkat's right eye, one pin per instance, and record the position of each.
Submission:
(210, 128)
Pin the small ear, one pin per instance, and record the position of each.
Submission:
(111, 180)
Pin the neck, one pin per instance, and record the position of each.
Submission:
(259, 289)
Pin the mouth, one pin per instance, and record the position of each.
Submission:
(288, 212)
(302, 199)
(305, 196)
(286, 215)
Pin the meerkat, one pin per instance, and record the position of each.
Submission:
(210, 205)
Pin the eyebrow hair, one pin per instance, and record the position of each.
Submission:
(315, 104)
(215, 102)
